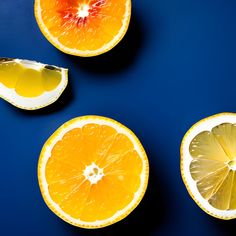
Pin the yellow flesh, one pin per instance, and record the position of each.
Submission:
(109, 150)
(28, 82)
(214, 165)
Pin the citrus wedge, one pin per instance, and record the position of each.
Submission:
(30, 85)
(83, 27)
(93, 172)
(208, 164)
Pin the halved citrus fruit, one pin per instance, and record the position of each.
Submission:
(30, 85)
(208, 164)
(83, 27)
(93, 172)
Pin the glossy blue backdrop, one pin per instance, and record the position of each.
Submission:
(175, 66)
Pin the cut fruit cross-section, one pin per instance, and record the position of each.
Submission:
(93, 172)
(31, 85)
(208, 164)
(83, 27)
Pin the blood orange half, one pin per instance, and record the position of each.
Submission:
(83, 27)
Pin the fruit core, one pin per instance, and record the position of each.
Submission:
(93, 173)
(79, 14)
(83, 11)
(232, 164)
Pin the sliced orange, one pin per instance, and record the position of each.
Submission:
(93, 172)
(83, 27)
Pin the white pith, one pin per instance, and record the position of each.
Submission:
(33, 103)
(204, 125)
(84, 53)
(78, 123)
(83, 11)
(93, 173)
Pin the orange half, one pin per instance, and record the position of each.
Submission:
(83, 27)
(93, 172)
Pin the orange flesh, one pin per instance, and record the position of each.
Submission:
(214, 165)
(111, 151)
(88, 29)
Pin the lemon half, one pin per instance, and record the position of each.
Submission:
(208, 164)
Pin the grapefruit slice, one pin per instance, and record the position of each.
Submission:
(208, 164)
(83, 27)
(30, 85)
(93, 172)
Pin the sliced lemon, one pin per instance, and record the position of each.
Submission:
(208, 164)
(31, 85)
(93, 172)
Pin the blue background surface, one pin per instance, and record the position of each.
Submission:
(175, 66)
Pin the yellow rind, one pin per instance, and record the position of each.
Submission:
(80, 53)
(116, 124)
(182, 169)
(42, 106)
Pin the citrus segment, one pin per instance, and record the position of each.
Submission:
(51, 79)
(104, 200)
(205, 145)
(210, 183)
(232, 204)
(208, 164)
(222, 197)
(225, 135)
(93, 172)
(75, 200)
(83, 27)
(9, 72)
(30, 85)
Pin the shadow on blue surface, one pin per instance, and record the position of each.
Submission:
(121, 56)
(225, 227)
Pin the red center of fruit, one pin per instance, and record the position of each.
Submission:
(79, 14)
